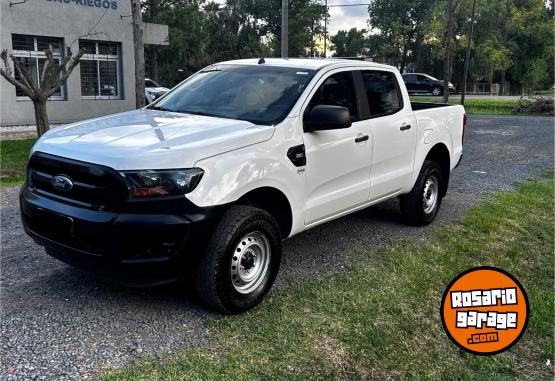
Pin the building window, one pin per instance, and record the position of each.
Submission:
(100, 70)
(30, 51)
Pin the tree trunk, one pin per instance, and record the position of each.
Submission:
(403, 59)
(508, 17)
(154, 65)
(447, 56)
(418, 52)
(491, 82)
(41, 116)
(139, 53)
(502, 82)
(468, 47)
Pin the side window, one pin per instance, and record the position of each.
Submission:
(422, 78)
(409, 77)
(383, 93)
(337, 90)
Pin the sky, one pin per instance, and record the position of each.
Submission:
(347, 17)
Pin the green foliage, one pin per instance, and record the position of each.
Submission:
(402, 23)
(202, 33)
(512, 43)
(352, 43)
(473, 106)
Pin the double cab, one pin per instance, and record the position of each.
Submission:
(206, 182)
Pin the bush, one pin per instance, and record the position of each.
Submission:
(535, 105)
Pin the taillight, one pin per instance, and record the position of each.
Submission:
(465, 120)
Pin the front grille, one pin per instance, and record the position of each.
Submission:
(94, 186)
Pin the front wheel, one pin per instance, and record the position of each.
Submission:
(241, 261)
(437, 91)
(420, 206)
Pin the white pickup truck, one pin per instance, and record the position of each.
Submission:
(207, 181)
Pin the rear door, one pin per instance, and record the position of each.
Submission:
(337, 161)
(393, 128)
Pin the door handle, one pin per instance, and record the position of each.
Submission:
(360, 139)
(405, 127)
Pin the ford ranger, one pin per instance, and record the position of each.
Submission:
(206, 182)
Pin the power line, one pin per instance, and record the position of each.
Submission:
(349, 5)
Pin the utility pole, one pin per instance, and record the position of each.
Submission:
(448, 47)
(284, 29)
(468, 47)
(139, 52)
(325, 29)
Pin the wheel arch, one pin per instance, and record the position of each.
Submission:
(440, 154)
(273, 201)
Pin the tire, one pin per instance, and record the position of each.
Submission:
(245, 244)
(437, 91)
(417, 207)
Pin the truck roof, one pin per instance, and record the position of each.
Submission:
(306, 63)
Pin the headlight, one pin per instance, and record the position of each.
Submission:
(164, 182)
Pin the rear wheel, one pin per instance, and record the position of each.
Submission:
(241, 261)
(420, 206)
(437, 91)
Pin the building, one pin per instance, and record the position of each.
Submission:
(103, 83)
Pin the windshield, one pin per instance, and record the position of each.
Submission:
(258, 94)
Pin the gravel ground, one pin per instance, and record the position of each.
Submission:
(60, 323)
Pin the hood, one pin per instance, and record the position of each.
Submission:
(150, 139)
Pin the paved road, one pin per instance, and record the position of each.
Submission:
(60, 323)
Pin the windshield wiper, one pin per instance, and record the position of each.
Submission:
(161, 108)
(198, 113)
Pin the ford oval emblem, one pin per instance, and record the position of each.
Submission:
(62, 183)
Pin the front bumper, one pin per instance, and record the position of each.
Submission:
(146, 245)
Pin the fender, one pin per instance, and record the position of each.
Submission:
(231, 175)
(421, 156)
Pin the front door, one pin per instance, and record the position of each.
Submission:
(337, 161)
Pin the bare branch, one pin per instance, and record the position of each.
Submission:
(6, 72)
(25, 76)
(17, 84)
(71, 65)
(4, 58)
(49, 61)
(49, 78)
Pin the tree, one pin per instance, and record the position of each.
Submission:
(139, 53)
(52, 77)
(303, 14)
(352, 43)
(402, 22)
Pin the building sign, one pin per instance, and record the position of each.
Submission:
(105, 4)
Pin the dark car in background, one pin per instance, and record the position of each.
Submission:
(424, 83)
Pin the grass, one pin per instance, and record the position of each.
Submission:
(545, 92)
(380, 319)
(476, 106)
(13, 160)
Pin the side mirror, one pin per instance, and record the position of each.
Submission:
(327, 117)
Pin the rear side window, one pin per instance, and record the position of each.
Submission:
(409, 77)
(382, 90)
